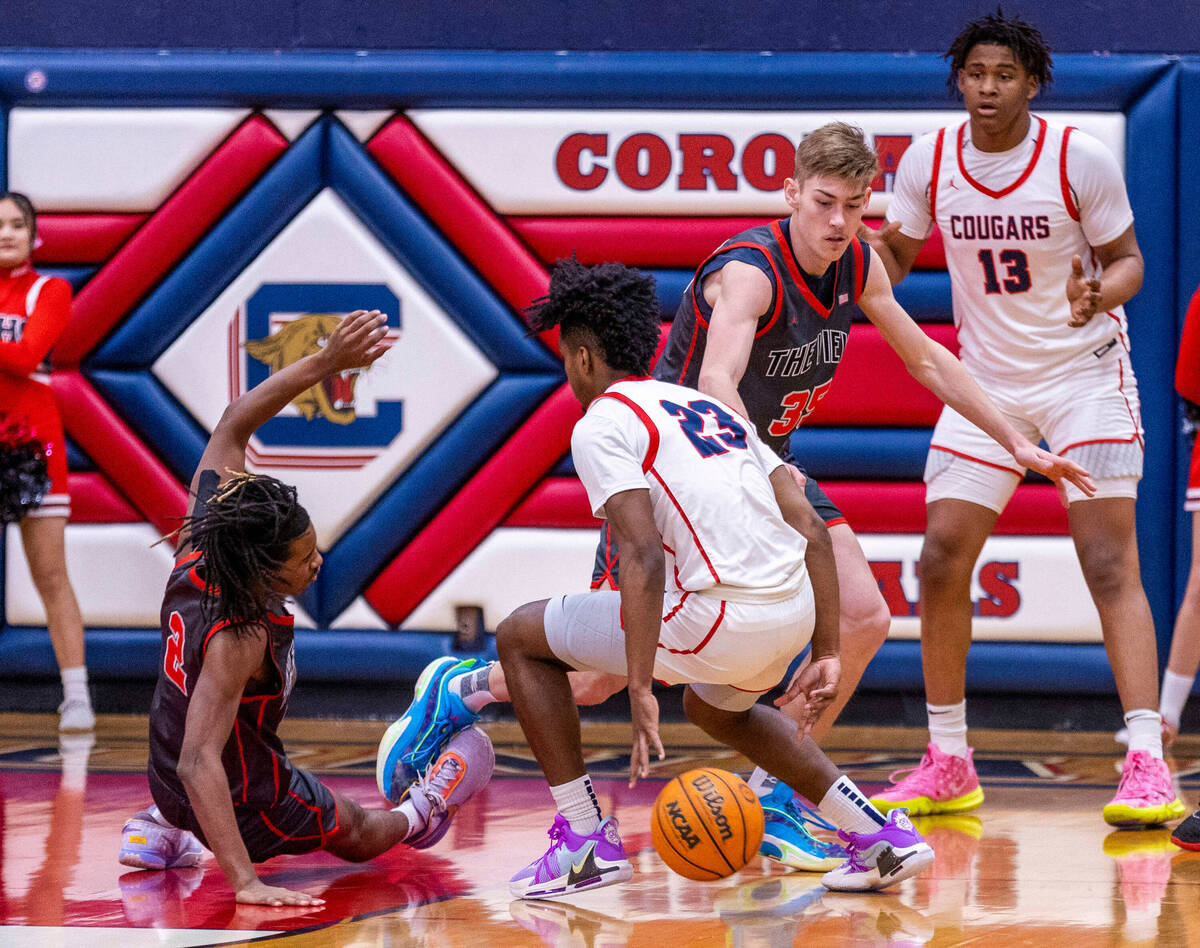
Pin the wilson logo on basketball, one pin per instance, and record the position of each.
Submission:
(716, 804)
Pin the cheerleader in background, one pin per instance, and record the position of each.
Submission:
(1180, 676)
(33, 313)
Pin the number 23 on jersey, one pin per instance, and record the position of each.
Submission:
(729, 435)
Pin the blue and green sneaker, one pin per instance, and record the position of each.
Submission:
(787, 838)
(421, 733)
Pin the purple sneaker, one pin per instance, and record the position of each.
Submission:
(574, 862)
(149, 844)
(462, 770)
(880, 859)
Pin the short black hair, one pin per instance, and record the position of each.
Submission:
(612, 303)
(245, 532)
(998, 29)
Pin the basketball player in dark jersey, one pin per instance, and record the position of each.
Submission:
(218, 771)
(763, 327)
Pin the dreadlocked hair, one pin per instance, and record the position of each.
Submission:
(997, 29)
(612, 303)
(245, 532)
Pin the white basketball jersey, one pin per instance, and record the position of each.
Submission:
(708, 476)
(1011, 223)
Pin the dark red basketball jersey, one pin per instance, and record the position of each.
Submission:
(800, 339)
(258, 770)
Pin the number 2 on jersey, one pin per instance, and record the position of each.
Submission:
(691, 420)
(173, 660)
(1016, 278)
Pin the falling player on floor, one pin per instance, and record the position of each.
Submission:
(218, 772)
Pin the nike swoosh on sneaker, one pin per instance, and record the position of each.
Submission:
(889, 863)
(587, 869)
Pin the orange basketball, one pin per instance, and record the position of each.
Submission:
(707, 824)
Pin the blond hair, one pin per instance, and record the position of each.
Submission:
(836, 150)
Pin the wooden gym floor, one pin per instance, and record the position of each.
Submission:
(1035, 865)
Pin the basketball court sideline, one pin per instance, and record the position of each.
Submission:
(1035, 865)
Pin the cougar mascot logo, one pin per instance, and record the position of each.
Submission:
(333, 398)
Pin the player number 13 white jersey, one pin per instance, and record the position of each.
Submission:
(1011, 222)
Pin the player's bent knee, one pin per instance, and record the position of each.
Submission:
(350, 841)
(523, 633)
(713, 721)
(867, 628)
(590, 688)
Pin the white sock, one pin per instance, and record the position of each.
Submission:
(74, 682)
(847, 807)
(1145, 731)
(761, 782)
(416, 822)
(472, 687)
(73, 750)
(1175, 691)
(577, 802)
(948, 727)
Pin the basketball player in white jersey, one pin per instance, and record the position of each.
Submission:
(677, 471)
(1042, 254)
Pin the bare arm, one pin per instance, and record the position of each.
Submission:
(740, 295)
(934, 367)
(1124, 269)
(818, 557)
(229, 663)
(817, 683)
(643, 579)
(357, 342)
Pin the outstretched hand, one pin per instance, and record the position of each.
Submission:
(259, 893)
(1058, 469)
(357, 341)
(816, 684)
(643, 707)
(1083, 293)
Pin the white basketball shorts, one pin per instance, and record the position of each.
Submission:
(729, 652)
(1089, 413)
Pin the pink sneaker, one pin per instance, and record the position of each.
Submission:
(1145, 795)
(941, 783)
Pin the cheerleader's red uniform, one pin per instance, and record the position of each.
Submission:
(1187, 384)
(34, 310)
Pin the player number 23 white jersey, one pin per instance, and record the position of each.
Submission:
(708, 476)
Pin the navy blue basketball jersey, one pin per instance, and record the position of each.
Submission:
(800, 339)
(256, 766)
